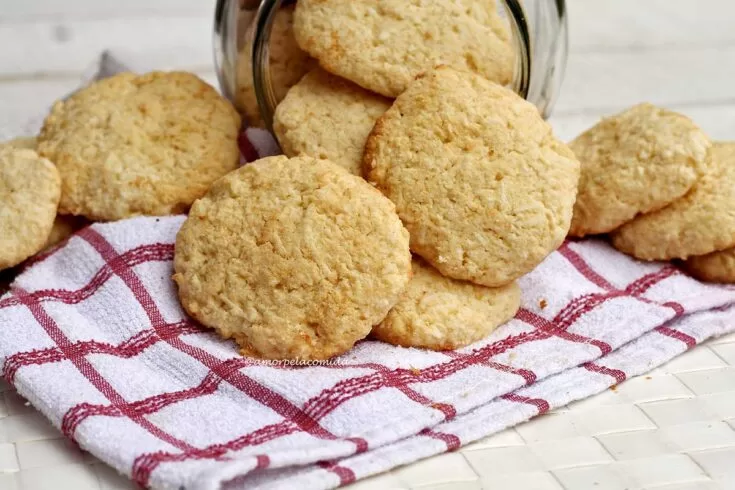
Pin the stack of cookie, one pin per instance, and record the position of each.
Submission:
(654, 181)
(378, 45)
(303, 257)
(300, 258)
(125, 146)
(416, 189)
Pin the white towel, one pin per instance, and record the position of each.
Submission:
(94, 336)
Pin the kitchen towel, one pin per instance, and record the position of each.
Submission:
(93, 335)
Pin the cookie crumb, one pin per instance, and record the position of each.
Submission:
(415, 371)
(543, 304)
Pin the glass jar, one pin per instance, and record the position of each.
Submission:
(257, 59)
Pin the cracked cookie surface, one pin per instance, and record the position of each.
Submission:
(633, 163)
(383, 45)
(140, 144)
(699, 223)
(328, 117)
(481, 183)
(30, 188)
(292, 258)
(440, 313)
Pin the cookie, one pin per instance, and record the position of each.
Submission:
(714, 267)
(384, 45)
(439, 313)
(288, 63)
(481, 183)
(140, 145)
(635, 162)
(325, 116)
(699, 223)
(23, 142)
(64, 225)
(30, 188)
(292, 258)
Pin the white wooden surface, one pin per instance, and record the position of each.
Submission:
(678, 53)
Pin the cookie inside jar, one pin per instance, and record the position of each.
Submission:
(382, 45)
(286, 62)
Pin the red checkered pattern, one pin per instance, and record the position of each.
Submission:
(93, 335)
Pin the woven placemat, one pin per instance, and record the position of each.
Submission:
(672, 429)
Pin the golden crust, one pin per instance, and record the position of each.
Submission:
(30, 189)
(440, 313)
(327, 117)
(699, 223)
(292, 258)
(714, 267)
(382, 45)
(140, 145)
(478, 178)
(635, 162)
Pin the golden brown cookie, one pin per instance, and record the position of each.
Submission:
(328, 117)
(292, 258)
(140, 145)
(30, 188)
(64, 225)
(635, 162)
(288, 63)
(440, 313)
(699, 223)
(714, 267)
(383, 45)
(479, 180)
